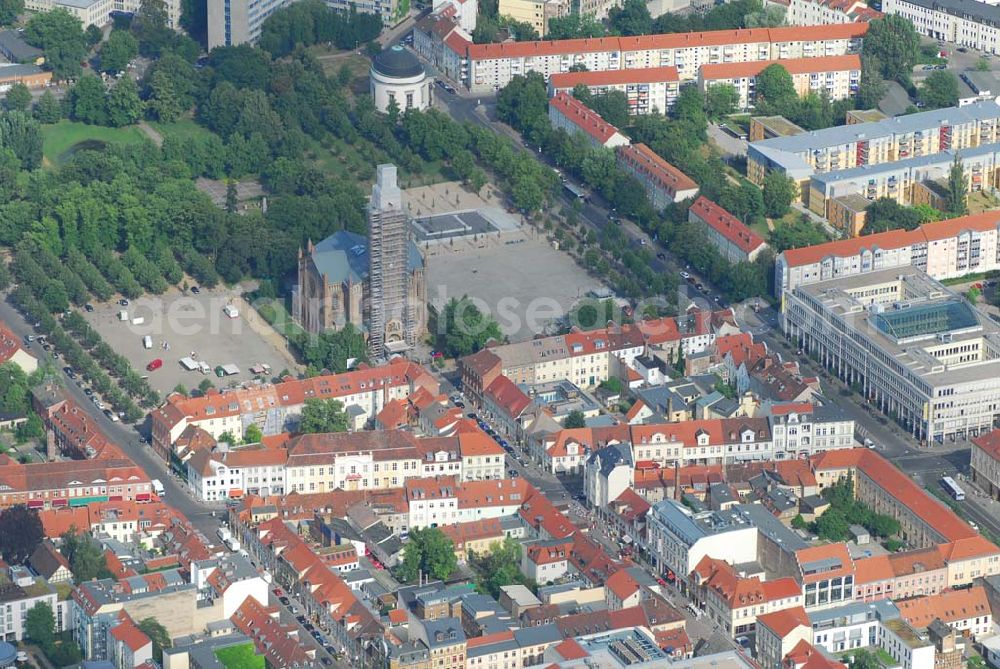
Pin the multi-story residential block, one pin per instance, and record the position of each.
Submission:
(848, 213)
(276, 408)
(569, 114)
(804, 156)
(648, 91)
(912, 573)
(128, 646)
(98, 12)
(851, 626)
(985, 463)
(827, 575)
(778, 632)
(20, 592)
(488, 67)
(50, 485)
(907, 646)
(944, 249)
(230, 474)
(836, 76)
(664, 183)
(536, 13)
(825, 12)
(967, 611)
(919, 351)
(964, 22)
(802, 429)
(734, 240)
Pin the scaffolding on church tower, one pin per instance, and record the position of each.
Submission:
(391, 325)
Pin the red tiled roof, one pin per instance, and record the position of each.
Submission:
(647, 75)
(505, 394)
(583, 117)
(9, 343)
(989, 443)
(792, 65)
(663, 173)
(128, 633)
(666, 41)
(950, 606)
(570, 649)
(785, 621)
(726, 225)
(622, 585)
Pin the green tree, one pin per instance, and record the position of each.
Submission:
(939, 89)
(124, 105)
(864, 659)
(613, 385)
(116, 53)
(9, 11)
(253, 434)
(958, 186)
(464, 329)
(797, 234)
(721, 101)
(158, 634)
(871, 88)
(799, 523)
(429, 552)
(832, 525)
(775, 90)
(84, 556)
(47, 109)
(322, 416)
(886, 214)
(632, 18)
(333, 351)
(22, 135)
(18, 98)
(151, 27)
(20, 533)
(575, 419)
(93, 35)
(893, 41)
(89, 101)
(574, 26)
(779, 193)
(164, 104)
(59, 35)
(40, 624)
(500, 567)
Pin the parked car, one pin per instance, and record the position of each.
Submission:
(88, 307)
(123, 302)
(154, 365)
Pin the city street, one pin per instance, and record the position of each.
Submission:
(125, 436)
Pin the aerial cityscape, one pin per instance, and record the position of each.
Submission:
(499, 334)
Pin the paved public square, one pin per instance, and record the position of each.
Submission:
(181, 324)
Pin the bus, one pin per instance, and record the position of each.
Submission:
(952, 488)
(575, 192)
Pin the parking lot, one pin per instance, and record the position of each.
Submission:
(187, 325)
(518, 278)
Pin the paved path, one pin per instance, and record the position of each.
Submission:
(151, 133)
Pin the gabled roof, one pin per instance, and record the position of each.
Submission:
(584, 118)
(785, 621)
(727, 225)
(950, 606)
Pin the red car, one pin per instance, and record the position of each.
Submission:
(153, 366)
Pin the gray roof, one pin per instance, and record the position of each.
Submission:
(979, 12)
(343, 256)
(18, 70)
(443, 632)
(611, 456)
(16, 48)
(856, 612)
(772, 528)
(533, 636)
(490, 648)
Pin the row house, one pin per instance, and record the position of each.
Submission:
(276, 408)
(489, 67)
(967, 611)
(836, 77)
(734, 602)
(664, 184)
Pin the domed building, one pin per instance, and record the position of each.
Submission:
(396, 74)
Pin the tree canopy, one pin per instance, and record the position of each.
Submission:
(20, 533)
(939, 89)
(429, 552)
(892, 41)
(321, 416)
(463, 329)
(60, 35)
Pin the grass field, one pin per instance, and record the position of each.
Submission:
(182, 128)
(59, 139)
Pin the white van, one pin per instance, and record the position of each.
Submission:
(147, 342)
(138, 320)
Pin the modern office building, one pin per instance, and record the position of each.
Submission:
(944, 249)
(648, 91)
(836, 76)
(489, 67)
(918, 351)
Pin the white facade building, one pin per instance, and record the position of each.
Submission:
(396, 76)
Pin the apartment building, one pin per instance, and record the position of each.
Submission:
(569, 114)
(851, 626)
(835, 76)
(825, 12)
(911, 181)
(966, 611)
(276, 408)
(986, 462)
(536, 13)
(71, 483)
(734, 240)
(489, 67)
(963, 22)
(230, 474)
(20, 592)
(943, 249)
(664, 184)
(832, 149)
(919, 351)
(98, 12)
(802, 429)
(778, 632)
(648, 91)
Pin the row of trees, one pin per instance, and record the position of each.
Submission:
(314, 22)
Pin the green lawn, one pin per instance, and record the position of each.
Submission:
(59, 139)
(242, 656)
(182, 128)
